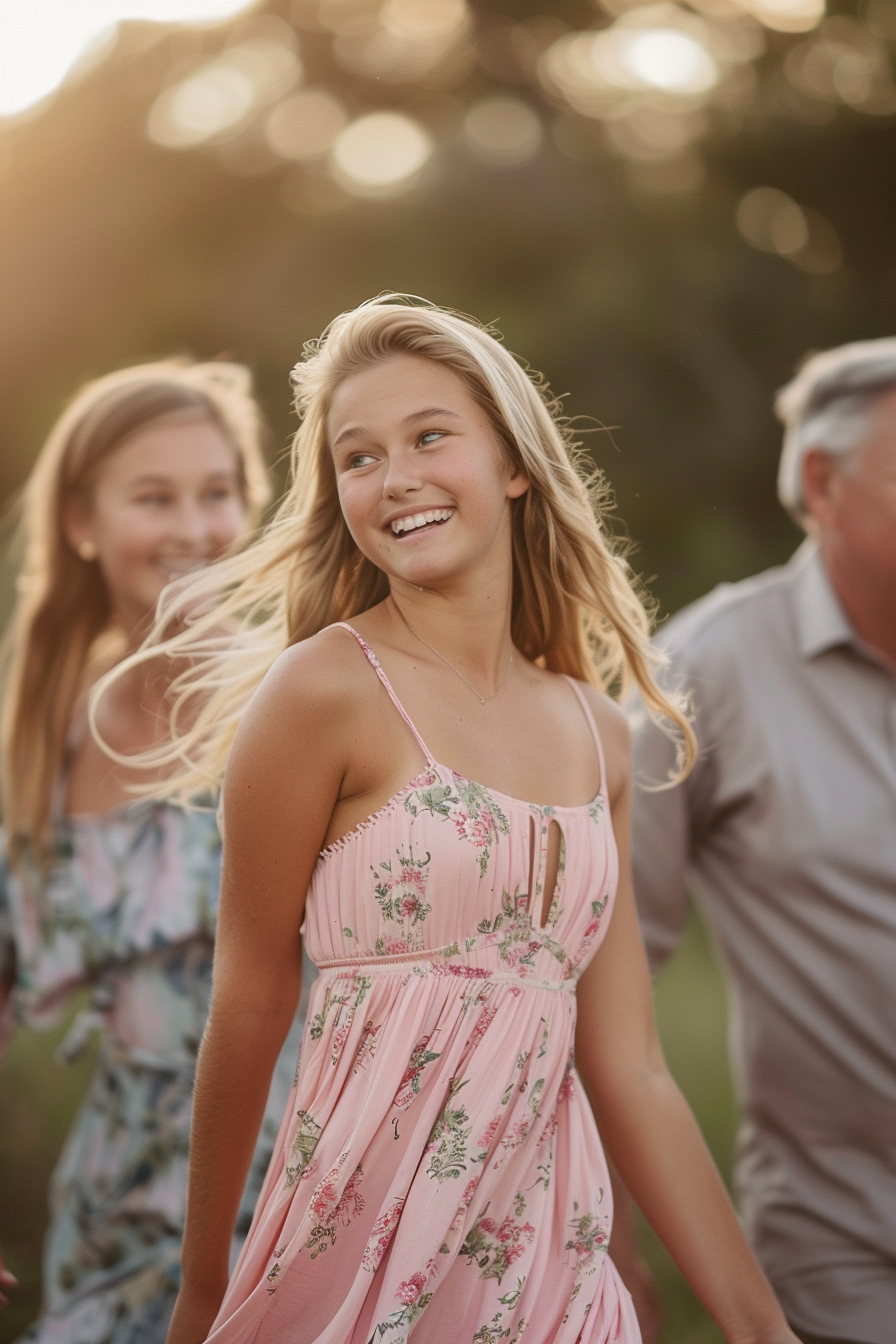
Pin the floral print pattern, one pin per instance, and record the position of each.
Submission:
(409, 1087)
(590, 1234)
(380, 1237)
(304, 1143)
(333, 1210)
(496, 1246)
(400, 892)
(448, 1140)
(128, 909)
(476, 816)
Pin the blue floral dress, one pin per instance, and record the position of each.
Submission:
(127, 911)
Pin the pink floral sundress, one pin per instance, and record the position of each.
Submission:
(438, 1172)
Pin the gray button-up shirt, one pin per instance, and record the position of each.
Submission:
(786, 830)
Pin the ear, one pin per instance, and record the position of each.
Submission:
(517, 484)
(77, 524)
(819, 478)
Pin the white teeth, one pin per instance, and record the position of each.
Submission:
(413, 521)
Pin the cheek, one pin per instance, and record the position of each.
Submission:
(228, 522)
(358, 499)
(869, 521)
(131, 538)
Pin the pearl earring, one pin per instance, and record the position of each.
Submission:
(87, 550)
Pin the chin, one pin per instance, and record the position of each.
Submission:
(428, 576)
(148, 597)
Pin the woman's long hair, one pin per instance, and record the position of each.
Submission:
(576, 607)
(63, 604)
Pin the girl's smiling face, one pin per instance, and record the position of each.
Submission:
(424, 481)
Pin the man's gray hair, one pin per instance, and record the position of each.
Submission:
(827, 405)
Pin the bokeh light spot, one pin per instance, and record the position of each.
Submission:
(424, 20)
(503, 130)
(220, 95)
(200, 108)
(669, 60)
(305, 125)
(772, 221)
(789, 16)
(380, 154)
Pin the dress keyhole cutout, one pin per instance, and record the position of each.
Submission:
(546, 859)
(551, 870)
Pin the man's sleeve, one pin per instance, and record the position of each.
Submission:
(664, 824)
(7, 940)
(7, 957)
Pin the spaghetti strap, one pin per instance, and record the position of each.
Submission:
(586, 710)
(375, 664)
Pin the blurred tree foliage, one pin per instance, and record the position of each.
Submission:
(646, 308)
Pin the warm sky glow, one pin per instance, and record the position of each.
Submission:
(41, 40)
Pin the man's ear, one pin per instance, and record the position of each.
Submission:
(819, 473)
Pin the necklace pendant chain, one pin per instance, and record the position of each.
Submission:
(483, 699)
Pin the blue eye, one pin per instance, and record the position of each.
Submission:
(360, 460)
(430, 435)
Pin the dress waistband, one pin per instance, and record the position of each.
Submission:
(434, 962)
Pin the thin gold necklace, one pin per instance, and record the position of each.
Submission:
(481, 698)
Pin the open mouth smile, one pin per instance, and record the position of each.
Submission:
(426, 520)
(177, 569)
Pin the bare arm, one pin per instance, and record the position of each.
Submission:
(649, 1131)
(661, 838)
(281, 784)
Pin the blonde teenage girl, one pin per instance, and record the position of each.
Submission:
(150, 473)
(423, 767)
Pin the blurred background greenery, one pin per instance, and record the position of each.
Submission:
(662, 206)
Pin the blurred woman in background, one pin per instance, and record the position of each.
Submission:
(151, 473)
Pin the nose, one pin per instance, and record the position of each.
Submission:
(190, 525)
(402, 475)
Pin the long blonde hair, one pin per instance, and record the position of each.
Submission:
(576, 607)
(62, 606)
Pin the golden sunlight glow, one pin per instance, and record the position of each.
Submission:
(44, 40)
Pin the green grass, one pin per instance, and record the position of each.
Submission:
(38, 1099)
(692, 1013)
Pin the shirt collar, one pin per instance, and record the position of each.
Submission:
(821, 622)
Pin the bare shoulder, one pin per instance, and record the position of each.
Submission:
(316, 674)
(616, 737)
(311, 694)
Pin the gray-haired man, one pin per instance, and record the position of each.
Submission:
(786, 829)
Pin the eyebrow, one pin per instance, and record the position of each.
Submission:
(412, 419)
(138, 482)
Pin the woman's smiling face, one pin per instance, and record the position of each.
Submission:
(424, 481)
(168, 501)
